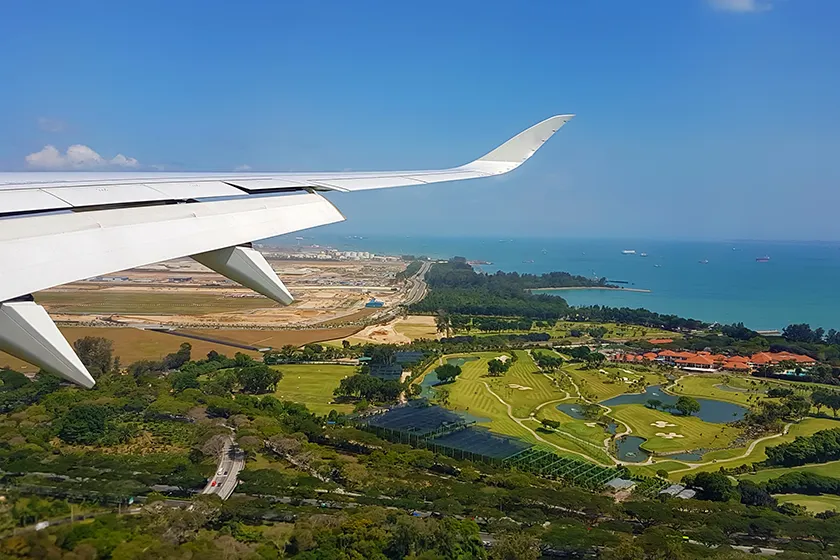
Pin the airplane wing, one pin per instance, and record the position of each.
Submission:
(59, 227)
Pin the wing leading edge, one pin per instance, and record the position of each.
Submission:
(65, 227)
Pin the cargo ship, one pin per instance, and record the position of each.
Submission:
(762, 259)
(629, 252)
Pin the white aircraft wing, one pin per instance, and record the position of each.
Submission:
(58, 227)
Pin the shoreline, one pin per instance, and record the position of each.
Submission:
(617, 289)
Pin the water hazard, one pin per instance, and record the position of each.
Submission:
(714, 411)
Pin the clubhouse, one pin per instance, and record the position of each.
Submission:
(706, 361)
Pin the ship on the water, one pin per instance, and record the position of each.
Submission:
(642, 254)
(762, 259)
(629, 252)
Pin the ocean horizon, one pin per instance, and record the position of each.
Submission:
(714, 281)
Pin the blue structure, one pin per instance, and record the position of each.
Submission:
(374, 303)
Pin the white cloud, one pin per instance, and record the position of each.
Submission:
(741, 6)
(77, 156)
(243, 167)
(51, 125)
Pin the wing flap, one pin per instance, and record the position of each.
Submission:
(56, 249)
(29, 200)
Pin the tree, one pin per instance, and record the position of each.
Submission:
(258, 379)
(443, 322)
(447, 372)
(799, 405)
(754, 495)
(179, 358)
(714, 486)
(96, 354)
(579, 353)
(654, 403)
(181, 380)
(515, 546)
(496, 367)
(687, 406)
(597, 332)
(84, 424)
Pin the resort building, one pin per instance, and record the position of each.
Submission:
(706, 361)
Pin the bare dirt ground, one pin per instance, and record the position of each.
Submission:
(185, 294)
(381, 334)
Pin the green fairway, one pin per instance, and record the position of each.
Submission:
(696, 433)
(805, 427)
(313, 385)
(826, 469)
(710, 387)
(523, 388)
(599, 386)
(815, 504)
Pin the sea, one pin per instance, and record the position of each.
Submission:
(714, 281)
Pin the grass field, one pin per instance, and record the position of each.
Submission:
(696, 433)
(132, 345)
(278, 338)
(417, 326)
(815, 504)
(599, 385)
(805, 427)
(313, 385)
(705, 386)
(563, 329)
(825, 469)
(152, 302)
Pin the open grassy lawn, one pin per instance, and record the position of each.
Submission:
(313, 385)
(151, 302)
(805, 427)
(707, 386)
(579, 428)
(826, 469)
(815, 504)
(599, 386)
(696, 433)
(562, 329)
(417, 326)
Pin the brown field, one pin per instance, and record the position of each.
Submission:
(152, 302)
(276, 339)
(135, 344)
(357, 316)
(417, 326)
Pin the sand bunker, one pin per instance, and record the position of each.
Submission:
(503, 358)
(662, 424)
(592, 424)
(670, 435)
(520, 387)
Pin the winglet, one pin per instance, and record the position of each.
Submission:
(518, 149)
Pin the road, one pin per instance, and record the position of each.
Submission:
(231, 462)
(417, 287)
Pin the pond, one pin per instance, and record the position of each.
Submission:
(573, 410)
(629, 449)
(690, 457)
(427, 385)
(711, 410)
(461, 361)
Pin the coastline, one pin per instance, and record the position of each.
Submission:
(616, 289)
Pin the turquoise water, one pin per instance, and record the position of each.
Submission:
(799, 284)
(714, 411)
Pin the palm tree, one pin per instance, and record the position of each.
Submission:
(443, 322)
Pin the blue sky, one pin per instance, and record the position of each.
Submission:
(696, 118)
